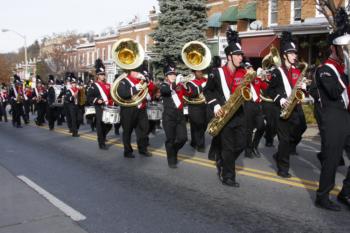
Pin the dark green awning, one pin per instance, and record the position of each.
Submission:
(214, 21)
(248, 12)
(230, 15)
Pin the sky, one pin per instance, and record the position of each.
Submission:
(36, 19)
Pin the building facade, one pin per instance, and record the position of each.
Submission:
(259, 22)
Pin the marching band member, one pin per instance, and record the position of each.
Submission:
(197, 112)
(91, 118)
(52, 111)
(221, 84)
(40, 95)
(283, 80)
(135, 117)
(100, 95)
(27, 100)
(3, 101)
(71, 98)
(332, 83)
(16, 95)
(174, 122)
(254, 116)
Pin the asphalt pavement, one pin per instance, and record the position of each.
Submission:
(116, 194)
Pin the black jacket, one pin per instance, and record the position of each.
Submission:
(329, 88)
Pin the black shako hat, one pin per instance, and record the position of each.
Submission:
(234, 46)
(342, 25)
(287, 44)
(99, 66)
(169, 69)
(51, 79)
(16, 79)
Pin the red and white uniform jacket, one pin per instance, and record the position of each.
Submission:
(173, 95)
(255, 88)
(222, 82)
(3, 95)
(195, 87)
(128, 88)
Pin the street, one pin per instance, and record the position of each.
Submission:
(116, 194)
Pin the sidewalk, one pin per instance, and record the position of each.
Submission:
(22, 210)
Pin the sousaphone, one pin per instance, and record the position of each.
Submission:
(196, 56)
(128, 55)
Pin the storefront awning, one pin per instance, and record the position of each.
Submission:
(230, 15)
(258, 46)
(214, 21)
(248, 12)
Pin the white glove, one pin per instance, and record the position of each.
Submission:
(138, 86)
(282, 101)
(216, 108)
(179, 78)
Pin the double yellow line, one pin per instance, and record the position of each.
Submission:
(259, 174)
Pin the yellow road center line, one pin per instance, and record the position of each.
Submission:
(263, 175)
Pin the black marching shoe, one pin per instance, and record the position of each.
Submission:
(75, 134)
(146, 154)
(284, 174)
(248, 154)
(230, 182)
(201, 149)
(327, 204)
(102, 146)
(131, 155)
(344, 200)
(269, 144)
(256, 152)
(171, 165)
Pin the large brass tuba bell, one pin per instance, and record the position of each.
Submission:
(272, 59)
(128, 55)
(196, 56)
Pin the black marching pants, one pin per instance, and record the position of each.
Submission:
(3, 112)
(233, 142)
(288, 131)
(74, 117)
(198, 124)
(271, 112)
(134, 118)
(41, 110)
(174, 124)
(254, 120)
(335, 135)
(102, 129)
(17, 112)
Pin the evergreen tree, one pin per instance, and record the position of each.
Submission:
(179, 22)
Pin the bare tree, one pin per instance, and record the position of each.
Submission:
(5, 69)
(54, 51)
(328, 8)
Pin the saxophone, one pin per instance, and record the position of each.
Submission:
(241, 94)
(297, 94)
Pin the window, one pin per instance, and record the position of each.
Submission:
(103, 54)
(109, 52)
(296, 11)
(273, 9)
(88, 58)
(98, 53)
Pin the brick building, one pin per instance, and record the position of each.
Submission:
(259, 22)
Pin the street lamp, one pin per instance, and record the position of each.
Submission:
(25, 48)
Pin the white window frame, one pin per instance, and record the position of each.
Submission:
(318, 14)
(109, 52)
(146, 43)
(103, 54)
(88, 58)
(292, 11)
(93, 56)
(98, 53)
(270, 12)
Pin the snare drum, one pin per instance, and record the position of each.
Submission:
(111, 115)
(154, 111)
(90, 110)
